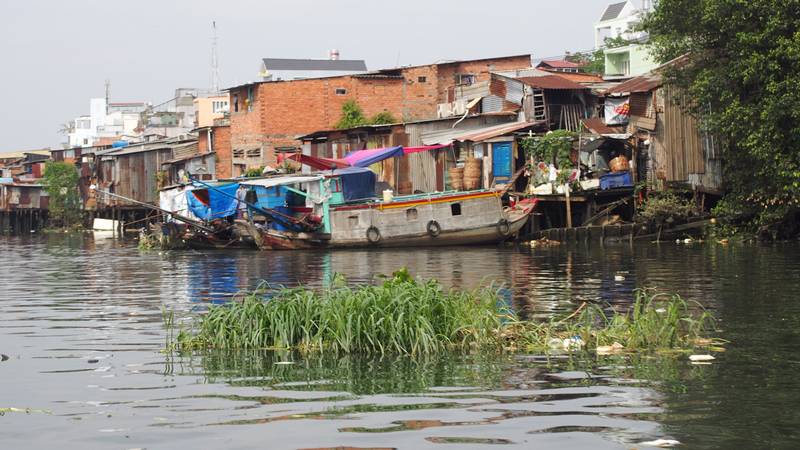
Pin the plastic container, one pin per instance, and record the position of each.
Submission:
(388, 196)
(616, 180)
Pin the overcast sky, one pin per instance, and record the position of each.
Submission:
(57, 54)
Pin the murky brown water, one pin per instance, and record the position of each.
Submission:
(80, 322)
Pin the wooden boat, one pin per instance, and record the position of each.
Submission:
(448, 218)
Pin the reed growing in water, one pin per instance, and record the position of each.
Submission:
(406, 316)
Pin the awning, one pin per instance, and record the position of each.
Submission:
(281, 181)
(424, 148)
(366, 158)
(314, 161)
(446, 137)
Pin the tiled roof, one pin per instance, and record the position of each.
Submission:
(560, 64)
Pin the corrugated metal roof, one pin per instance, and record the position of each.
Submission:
(551, 82)
(613, 11)
(495, 131)
(580, 77)
(560, 64)
(474, 134)
(354, 65)
(643, 83)
(597, 126)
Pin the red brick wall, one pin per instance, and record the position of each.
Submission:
(283, 110)
(447, 72)
(222, 146)
(202, 141)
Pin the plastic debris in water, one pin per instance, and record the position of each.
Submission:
(573, 343)
(616, 347)
(701, 358)
(663, 443)
(619, 278)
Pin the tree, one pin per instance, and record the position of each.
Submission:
(382, 118)
(61, 185)
(742, 71)
(595, 61)
(353, 116)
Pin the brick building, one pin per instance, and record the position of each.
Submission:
(266, 117)
(217, 138)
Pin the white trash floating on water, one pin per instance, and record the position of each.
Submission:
(699, 358)
(662, 443)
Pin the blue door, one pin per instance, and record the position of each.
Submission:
(501, 162)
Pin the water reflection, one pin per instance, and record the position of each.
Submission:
(80, 322)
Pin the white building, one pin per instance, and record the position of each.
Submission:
(619, 19)
(105, 121)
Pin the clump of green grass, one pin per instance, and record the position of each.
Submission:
(401, 315)
(406, 316)
(654, 322)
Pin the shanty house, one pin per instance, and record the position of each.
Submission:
(678, 150)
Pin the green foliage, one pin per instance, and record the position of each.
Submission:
(406, 316)
(254, 172)
(595, 61)
(400, 315)
(353, 116)
(742, 76)
(554, 147)
(382, 118)
(665, 207)
(655, 322)
(61, 184)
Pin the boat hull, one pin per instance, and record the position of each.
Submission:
(455, 219)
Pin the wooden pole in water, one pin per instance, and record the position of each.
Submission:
(569, 205)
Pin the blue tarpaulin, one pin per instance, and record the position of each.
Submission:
(213, 203)
(358, 183)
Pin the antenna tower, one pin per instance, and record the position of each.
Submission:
(108, 93)
(214, 59)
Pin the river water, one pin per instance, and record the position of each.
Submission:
(82, 334)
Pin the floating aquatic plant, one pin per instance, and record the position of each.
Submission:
(402, 315)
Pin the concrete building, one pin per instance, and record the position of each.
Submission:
(209, 109)
(619, 21)
(105, 122)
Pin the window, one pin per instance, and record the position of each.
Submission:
(251, 98)
(219, 106)
(411, 214)
(235, 102)
(465, 78)
(341, 91)
(455, 209)
(422, 79)
(254, 153)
